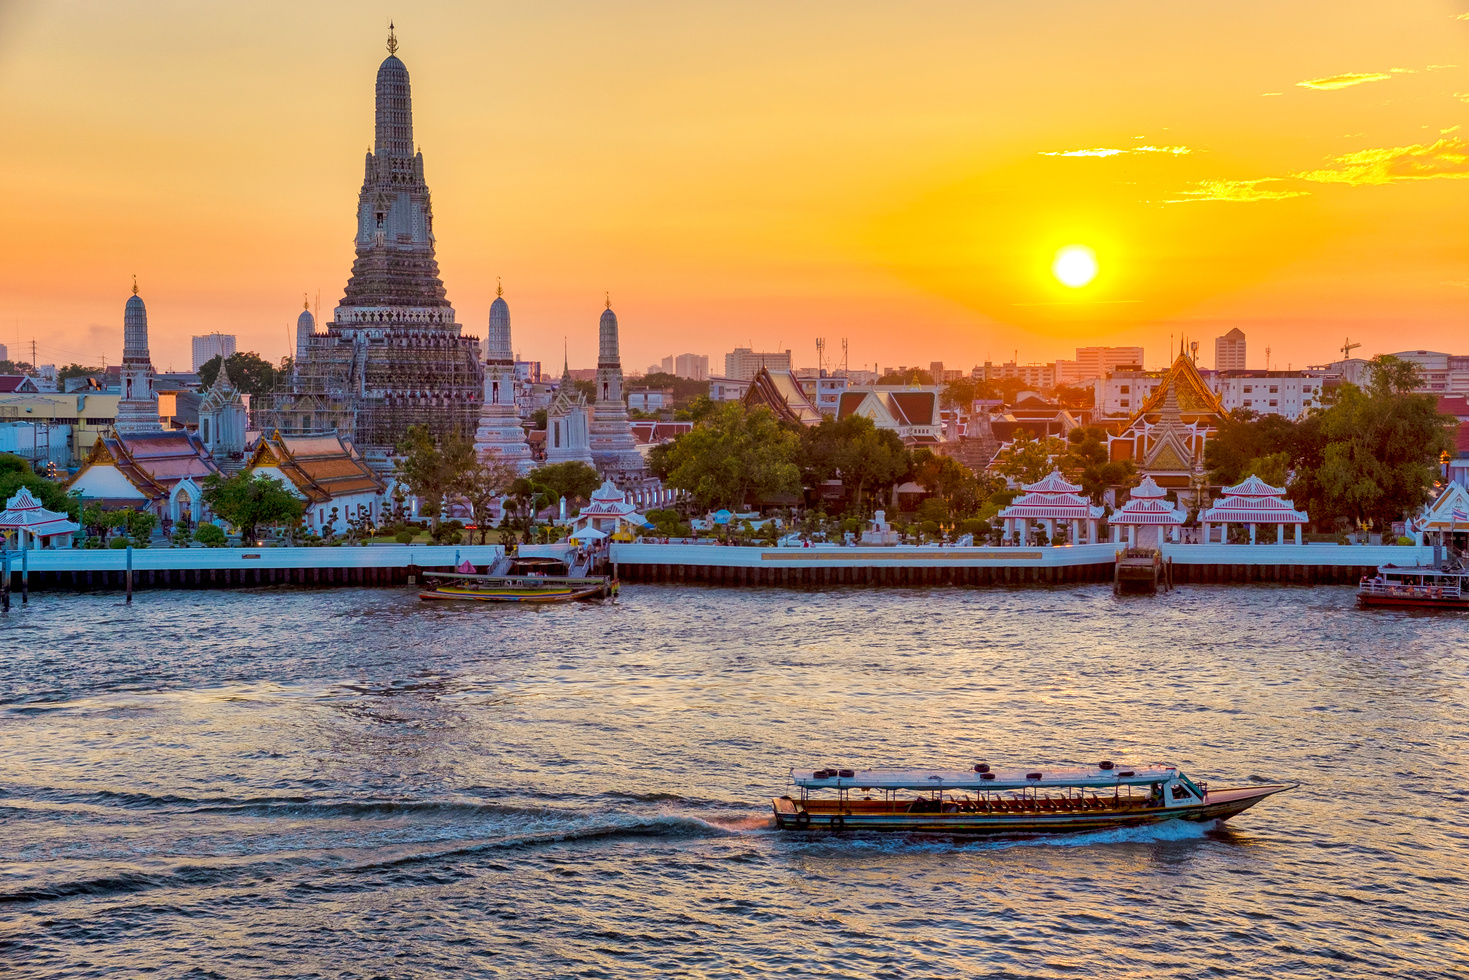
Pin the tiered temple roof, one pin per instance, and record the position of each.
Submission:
(129, 468)
(321, 467)
(24, 513)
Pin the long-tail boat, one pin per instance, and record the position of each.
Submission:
(515, 588)
(985, 801)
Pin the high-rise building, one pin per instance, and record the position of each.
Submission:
(743, 363)
(1098, 362)
(4, 353)
(1229, 351)
(393, 355)
(695, 367)
(212, 345)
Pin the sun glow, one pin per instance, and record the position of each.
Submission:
(1074, 266)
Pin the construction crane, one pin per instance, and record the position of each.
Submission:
(1347, 347)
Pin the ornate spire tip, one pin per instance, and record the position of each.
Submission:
(135, 284)
(499, 289)
(609, 299)
(392, 40)
(305, 301)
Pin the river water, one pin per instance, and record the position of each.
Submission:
(348, 783)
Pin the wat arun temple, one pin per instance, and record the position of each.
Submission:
(393, 354)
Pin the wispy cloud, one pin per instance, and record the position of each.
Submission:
(1237, 191)
(1346, 80)
(1403, 71)
(1268, 94)
(1460, 283)
(1107, 151)
(1448, 158)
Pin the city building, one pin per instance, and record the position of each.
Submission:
(212, 345)
(695, 367)
(137, 411)
(728, 389)
(393, 354)
(650, 399)
(1286, 393)
(500, 433)
(18, 384)
(66, 425)
(4, 353)
(1229, 351)
(823, 388)
(1097, 362)
(613, 447)
(743, 363)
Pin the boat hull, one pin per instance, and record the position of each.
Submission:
(1414, 602)
(828, 815)
(512, 595)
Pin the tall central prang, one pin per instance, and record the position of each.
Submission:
(392, 356)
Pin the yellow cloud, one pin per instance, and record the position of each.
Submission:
(1107, 151)
(1345, 80)
(1238, 191)
(1446, 158)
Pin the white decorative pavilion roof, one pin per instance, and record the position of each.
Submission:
(1253, 486)
(1051, 499)
(25, 513)
(608, 501)
(1253, 501)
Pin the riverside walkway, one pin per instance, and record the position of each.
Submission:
(398, 565)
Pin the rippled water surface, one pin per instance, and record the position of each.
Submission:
(351, 784)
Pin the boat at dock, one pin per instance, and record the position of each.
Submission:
(985, 801)
(1422, 586)
(526, 580)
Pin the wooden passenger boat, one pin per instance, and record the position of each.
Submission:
(983, 801)
(1421, 586)
(515, 588)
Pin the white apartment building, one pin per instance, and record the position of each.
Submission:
(1286, 393)
(824, 389)
(1229, 351)
(743, 364)
(1442, 373)
(210, 346)
(728, 389)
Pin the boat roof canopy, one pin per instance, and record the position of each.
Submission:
(931, 779)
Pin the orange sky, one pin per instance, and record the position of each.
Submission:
(754, 173)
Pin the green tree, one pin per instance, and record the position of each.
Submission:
(855, 451)
(429, 469)
(16, 472)
(210, 536)
(253, 501)
(1369, 455)
(1243, 441)
(685, 390)
(247, 371)
(481, 483)
(573, 480)
(962, 492)
(1028, 460)
(1088, 462)
(961, 393)
(734, 456)
(76, 371)
(908, 376)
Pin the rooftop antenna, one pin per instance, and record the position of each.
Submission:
(844, 357)
(820, 355)
(1267, 359)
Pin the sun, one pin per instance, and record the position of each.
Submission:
(1074, 266)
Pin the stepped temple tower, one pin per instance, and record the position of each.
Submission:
(222, 423)
(499, 429)
(613, 447)
(392, 356)
(568, 424)
(137, 409)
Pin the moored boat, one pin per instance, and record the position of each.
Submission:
(985, 801)
(1422, 586)
(515, 588)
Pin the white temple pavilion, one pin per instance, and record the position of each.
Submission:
(1051, 501)
(1147, 515)
(1252, 503)
(608, 513)
(34, 525)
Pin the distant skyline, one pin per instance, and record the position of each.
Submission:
(756, 174)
